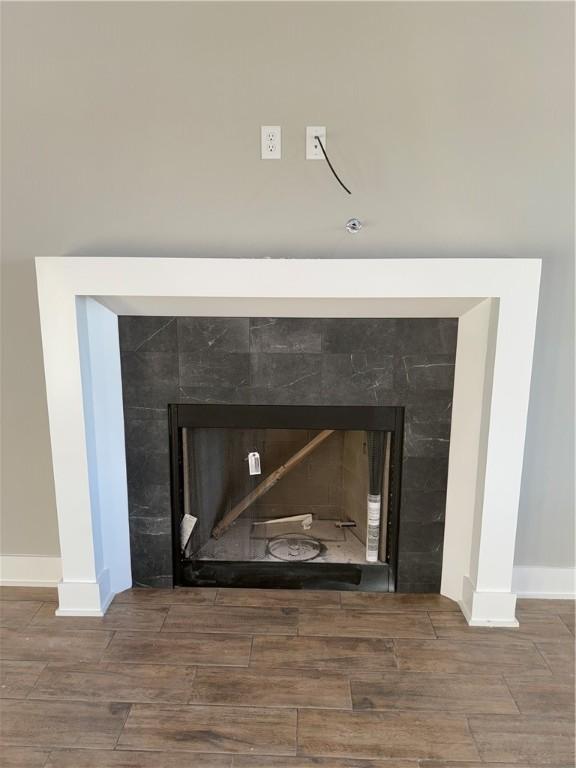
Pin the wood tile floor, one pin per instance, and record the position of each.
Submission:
(280, 679)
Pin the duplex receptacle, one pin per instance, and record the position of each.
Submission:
(271, 142)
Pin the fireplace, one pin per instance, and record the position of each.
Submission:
(495, 301)
(285, 496)
(351, 375)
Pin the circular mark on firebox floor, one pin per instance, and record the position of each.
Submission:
(294, 548)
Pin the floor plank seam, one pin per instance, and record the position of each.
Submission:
(541, 655)
(103, 651)
(250, 652)
(37, 612)
(121, 731)
(511, 692)
(350, 696)
(473, 737)
(395, 655)
(296, 746)
(435, 633)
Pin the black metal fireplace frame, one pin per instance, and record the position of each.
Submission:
(370, 577)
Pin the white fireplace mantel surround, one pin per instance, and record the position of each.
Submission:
(495, 300)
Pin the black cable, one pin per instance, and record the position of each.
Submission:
(339, 180)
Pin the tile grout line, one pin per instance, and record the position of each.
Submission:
(33, 687)
(296, 749)
(395, 655)
(432, 625)
(349, 678)
(166, 614)
(129, 710)
(108, 644)
(505, 681)
(472, 736)
(31, 619)
(541, 655)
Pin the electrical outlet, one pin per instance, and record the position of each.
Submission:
(271, 142)
(313, 150)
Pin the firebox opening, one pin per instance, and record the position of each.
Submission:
(284, 501)
(309, 501)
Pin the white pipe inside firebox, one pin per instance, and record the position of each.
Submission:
(374, 505)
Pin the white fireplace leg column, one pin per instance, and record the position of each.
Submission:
(86, 430)
(487, 597)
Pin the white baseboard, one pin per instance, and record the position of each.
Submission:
(30, 571)
(544, 583)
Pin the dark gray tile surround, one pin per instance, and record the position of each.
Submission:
(289, 361)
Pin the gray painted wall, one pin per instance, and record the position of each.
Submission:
(289, 361)
(133, 128)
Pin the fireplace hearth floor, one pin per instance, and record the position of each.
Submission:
(246, 542)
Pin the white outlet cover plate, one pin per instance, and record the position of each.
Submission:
(271, 142)
(313, 150)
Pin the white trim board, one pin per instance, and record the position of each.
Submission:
(544, 583)
(30, 571)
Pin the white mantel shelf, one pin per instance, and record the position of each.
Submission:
(495, 299)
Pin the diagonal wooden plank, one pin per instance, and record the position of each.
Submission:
(283, 687)
(43, 644)
(413, 735)
(436, 692)
(470, 657)
(60, 724)
(179, 648)
(98, 758)
(278, 598)
(275, 621)
(533, 739)
(103, 681)
(533, 626)
(335, 653)
(17, 678)
(129, 617)
(145, 597)
(17, 614)
(23, 757)
(386, 601)
(357, 623)
(545, 696)
(210, 729)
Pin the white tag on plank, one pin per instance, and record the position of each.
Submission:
(254, 463)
